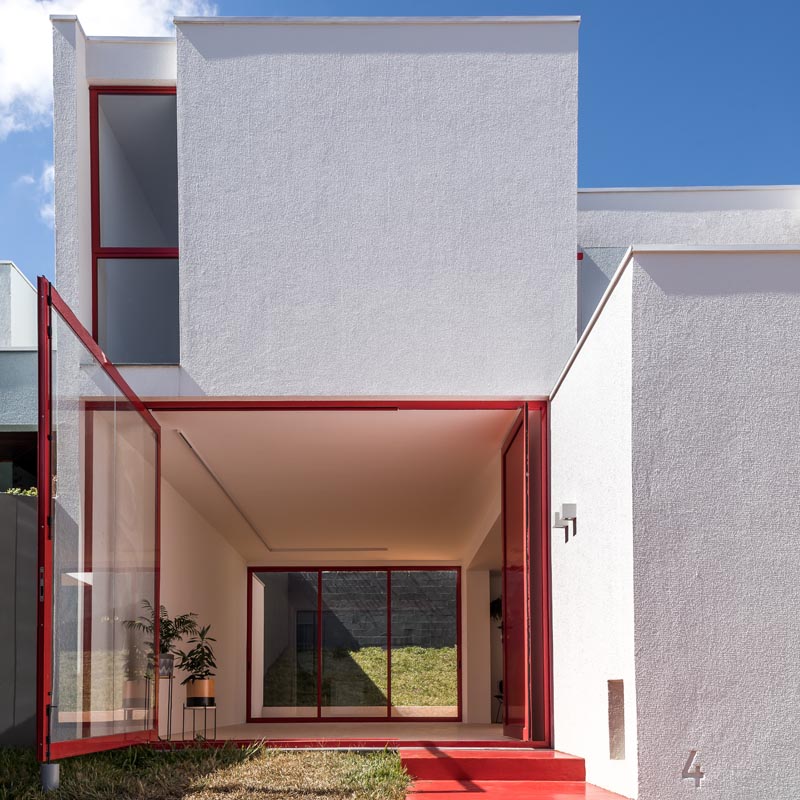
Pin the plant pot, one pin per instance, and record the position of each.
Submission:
(200, 693)
(166, 665)
(134, 693)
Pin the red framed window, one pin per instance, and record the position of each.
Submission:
(354, 644)
(134, 200)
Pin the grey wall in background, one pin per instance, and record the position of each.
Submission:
(18, 620)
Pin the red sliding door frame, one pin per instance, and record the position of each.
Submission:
(319, 570)
(50, 302)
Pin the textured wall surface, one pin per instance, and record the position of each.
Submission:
(747, 215)
(17, 308)
(592, 582)
(375, 209)
(716, 458)
(71, 160)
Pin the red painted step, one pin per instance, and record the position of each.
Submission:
(509, 790)
(495, 764)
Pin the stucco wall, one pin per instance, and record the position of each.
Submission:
(592, 591)
(716, 458)
(377, 207)
(201, 572)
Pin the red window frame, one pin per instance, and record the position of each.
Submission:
(388, 570)
(46, 750)
(98, 251)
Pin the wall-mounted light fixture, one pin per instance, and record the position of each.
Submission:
(569, 513)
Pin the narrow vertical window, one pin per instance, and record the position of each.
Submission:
(135, 223)
(616, 720)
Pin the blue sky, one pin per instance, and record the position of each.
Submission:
(672, 92)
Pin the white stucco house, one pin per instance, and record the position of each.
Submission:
(347, 362)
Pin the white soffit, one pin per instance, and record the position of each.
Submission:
(395, 486)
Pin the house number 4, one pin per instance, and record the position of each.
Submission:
(691, 769)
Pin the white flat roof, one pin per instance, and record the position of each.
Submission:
(376, 20)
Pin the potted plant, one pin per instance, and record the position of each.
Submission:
(170, 631)
(200, 664)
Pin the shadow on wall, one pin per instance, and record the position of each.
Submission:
(214, 42)
(720, 274)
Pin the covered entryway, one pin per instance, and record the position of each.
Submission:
(358, 561)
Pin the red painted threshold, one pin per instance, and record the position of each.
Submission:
(445, 764)
(510, 790)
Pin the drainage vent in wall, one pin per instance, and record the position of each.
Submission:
(616, 720)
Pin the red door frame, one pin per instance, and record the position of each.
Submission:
(520, 428)
(49, 301)
(540, 529)
(319, 570)
(98, 251)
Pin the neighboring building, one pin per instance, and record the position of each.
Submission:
(18, 379)
(376, 343)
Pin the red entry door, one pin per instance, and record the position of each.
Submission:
(99, 473)
(516, 598)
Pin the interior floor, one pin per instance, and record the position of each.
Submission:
(378, 732)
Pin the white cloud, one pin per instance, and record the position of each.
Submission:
(26, 43)
(43, 191)
(45, 185)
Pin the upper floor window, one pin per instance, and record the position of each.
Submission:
(135, 223)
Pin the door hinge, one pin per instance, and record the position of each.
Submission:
(41, 587)
(54, 487)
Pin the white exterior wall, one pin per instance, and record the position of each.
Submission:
(716, 458)
(201, 572)
(78, 62)
(374, 208)
(698, 215)
(592, 573)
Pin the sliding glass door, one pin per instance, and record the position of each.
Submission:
(354, 644)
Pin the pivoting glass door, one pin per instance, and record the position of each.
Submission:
(98, 545)
(354, 644)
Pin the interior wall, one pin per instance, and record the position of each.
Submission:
(476, 655)
(201, 572)
(592, 572)
(716, 412)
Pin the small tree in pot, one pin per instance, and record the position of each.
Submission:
(170, 631)
(199, 662)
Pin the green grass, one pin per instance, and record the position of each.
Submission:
(255, 773)
(421, 676)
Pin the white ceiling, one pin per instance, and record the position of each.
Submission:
(391, 485)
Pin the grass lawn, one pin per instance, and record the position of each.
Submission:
(421, 676)
(198, 773)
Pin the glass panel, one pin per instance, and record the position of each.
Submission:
(104, 558)
(137, 310)
(287, 625)
(354, 639)
(138, 163)
(424, 643)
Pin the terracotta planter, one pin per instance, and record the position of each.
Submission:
(200, 693)
(134, 694)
